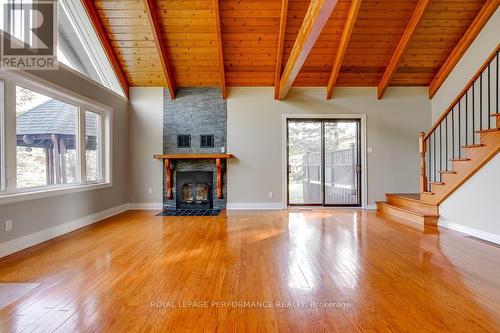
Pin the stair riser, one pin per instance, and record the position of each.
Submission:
(427, 221)
(413, 205)
(465, 169)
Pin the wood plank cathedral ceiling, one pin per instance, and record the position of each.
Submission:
(236, 42)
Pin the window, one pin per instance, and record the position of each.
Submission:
(206, 141)
(50, 139)
(183, 141)
(2, 139)
(46, 150)
(79, 47)
(93, 146)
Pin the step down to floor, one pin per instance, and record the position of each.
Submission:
(406, 214)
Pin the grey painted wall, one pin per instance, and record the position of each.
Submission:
(146, 133)
(255, 137)
(195, 111)
(35, 215)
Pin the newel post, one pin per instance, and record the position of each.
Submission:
(422, 150)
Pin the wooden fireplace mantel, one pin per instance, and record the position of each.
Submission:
(167, 158)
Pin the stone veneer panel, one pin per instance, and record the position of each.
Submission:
(195, 111)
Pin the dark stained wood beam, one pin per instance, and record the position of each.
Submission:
(281, 43)
(106, 43)
(220, 50)
(392, 67)
(160, 45)
(316, 18)
(488, 9)
(342, 47)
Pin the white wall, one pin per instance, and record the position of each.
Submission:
(145, 140)
(471, 208)
(475, 204)
(255, 138)
(478, 52)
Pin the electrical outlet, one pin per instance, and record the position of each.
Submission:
(150, 190)
(270, 195)
(8, 225)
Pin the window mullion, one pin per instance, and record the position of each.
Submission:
(10, 162)
(81, 145)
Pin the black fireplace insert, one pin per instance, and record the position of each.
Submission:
(194, 190)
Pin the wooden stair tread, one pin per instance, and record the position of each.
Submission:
(448, 172)
(404, 209)
(488, 130)
(436, 183)
(463, 159)
(495, 115)
(406, 196)
(473, 146)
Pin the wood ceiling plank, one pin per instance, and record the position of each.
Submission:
(315, 19)
(160, 45)
(219, 49)
(106, 44)
(342, 48)
(281, 43)
(402, 46)
(487, 10)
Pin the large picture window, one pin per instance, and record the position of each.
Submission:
(50, 139)
(46, 149)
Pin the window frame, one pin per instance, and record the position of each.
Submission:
(3, 178)
(11, 193)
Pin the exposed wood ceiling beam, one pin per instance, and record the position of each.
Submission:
(281, 43)
(392, 67)
(316, 18)
(106, 44)
(219, 50)
(488, 9)
(342, 47)
(160, 45)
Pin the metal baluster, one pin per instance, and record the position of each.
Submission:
(459, 129)
(481, 101)
(453, 132)
(473, 114)
(434, 134)
(428, 162)
(466, 117)
(440, 150)
(446, 134)
(497, 110)
(489, 99)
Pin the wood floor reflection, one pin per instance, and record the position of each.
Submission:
(288, 271)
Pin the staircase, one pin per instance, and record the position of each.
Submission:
(459, 144)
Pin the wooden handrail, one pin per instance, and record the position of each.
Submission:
(463, 92)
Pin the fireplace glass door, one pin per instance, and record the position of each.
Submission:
(324, 164)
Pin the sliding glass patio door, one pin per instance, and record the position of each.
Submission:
(324, 165)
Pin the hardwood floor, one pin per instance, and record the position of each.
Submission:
(353, 270)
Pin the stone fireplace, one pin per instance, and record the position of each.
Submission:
(194, 123)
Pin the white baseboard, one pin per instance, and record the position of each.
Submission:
(371, 207)
(41, 236)
(254, 205)
(470, 231)
(146, 206)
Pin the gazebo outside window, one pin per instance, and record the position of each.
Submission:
(46, 140)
